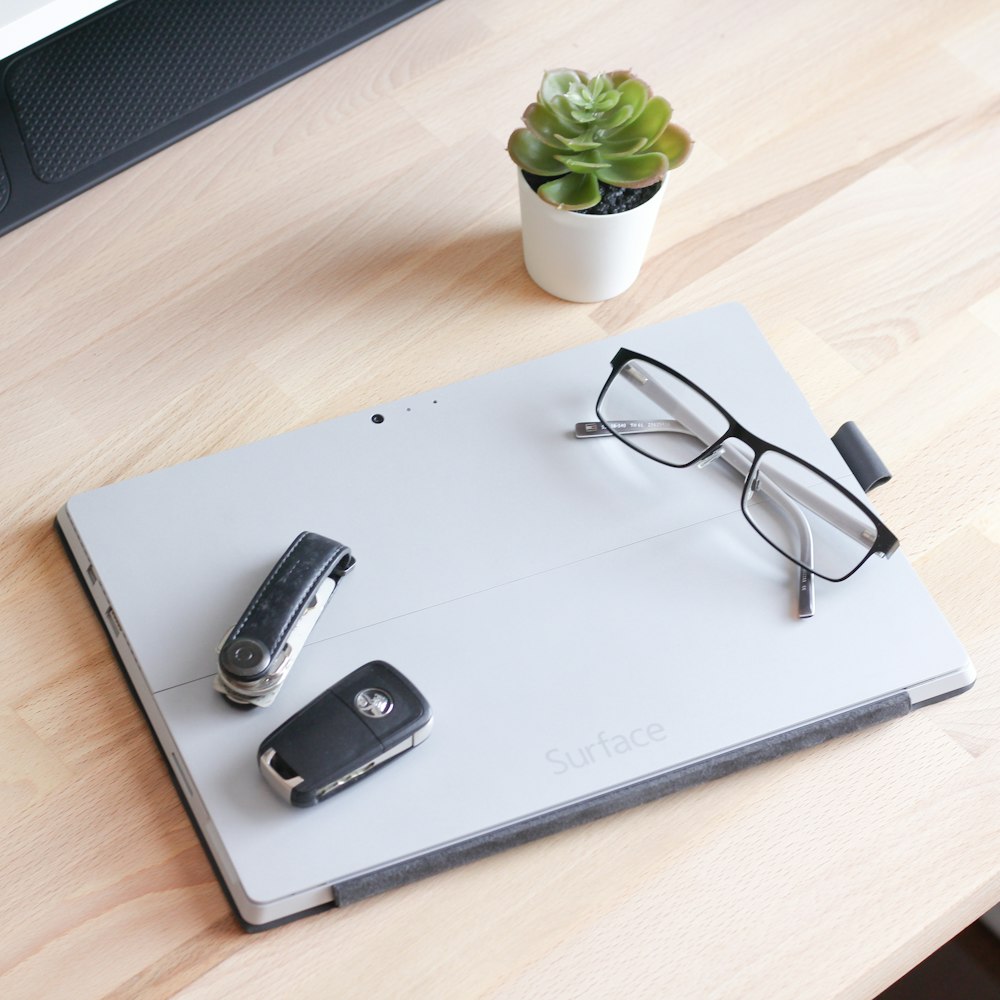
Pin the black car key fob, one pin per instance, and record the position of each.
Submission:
(364, 720)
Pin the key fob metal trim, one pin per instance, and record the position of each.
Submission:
(371, 716)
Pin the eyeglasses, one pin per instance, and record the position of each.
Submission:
(802, 512)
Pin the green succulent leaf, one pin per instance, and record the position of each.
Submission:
(615, 148)
(557, 82)
(531, 154)
(544, 125)
(563, 110)
(636, 171)
(600, 85)
(580, 144)
(581, 163)
(619, 76)
(675, 144)
(573, 192)
(623, 114)
(635, 94)
(649, 123)
(607, 126)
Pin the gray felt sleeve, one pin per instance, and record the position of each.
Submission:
(473, 848)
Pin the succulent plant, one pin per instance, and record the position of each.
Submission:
(586, 129)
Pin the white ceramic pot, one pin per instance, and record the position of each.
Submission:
(584, 258)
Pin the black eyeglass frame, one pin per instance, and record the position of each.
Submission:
(885, 541)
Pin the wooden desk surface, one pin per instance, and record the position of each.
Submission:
(354, 237)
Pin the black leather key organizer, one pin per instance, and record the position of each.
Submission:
(365, 720)
(254, 659)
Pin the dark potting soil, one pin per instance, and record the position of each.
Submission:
(613, 199)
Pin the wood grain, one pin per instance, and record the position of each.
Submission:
(353, 237)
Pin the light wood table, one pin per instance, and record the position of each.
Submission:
(352, 238)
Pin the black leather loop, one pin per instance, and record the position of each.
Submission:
(261, 632)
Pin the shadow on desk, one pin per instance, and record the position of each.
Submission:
(968, 966)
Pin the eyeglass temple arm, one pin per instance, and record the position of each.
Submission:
(855, 528)
(733, 455)
(742, 464)
(837, 516)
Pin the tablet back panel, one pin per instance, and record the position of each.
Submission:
(590, 627)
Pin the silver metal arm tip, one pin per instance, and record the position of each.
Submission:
(590, 428)
(807, 594)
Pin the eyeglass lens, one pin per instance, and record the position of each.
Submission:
(806, 517)
(801, 513)
(660, 415)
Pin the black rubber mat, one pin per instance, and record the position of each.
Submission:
(115, 88)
